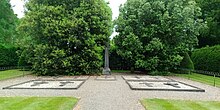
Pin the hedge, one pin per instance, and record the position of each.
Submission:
(8, 56)
(207, 58)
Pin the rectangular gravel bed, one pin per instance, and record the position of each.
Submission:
(163, 86)
(47, 84)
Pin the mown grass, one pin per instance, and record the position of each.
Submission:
(202, 78)
(161, 104)
(7, 74)
(37, 103)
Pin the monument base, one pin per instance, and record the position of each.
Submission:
(106, 71)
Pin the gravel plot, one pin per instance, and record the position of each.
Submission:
(111, 95)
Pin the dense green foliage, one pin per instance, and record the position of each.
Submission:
(210, 13)
(8, 22)
(23, 58)
(69, 35)
(8, 56)
(8, 35)
(37, 103)
(116, 62)
(207, 58)
(162, 104)
(186, 64)
(154, 33)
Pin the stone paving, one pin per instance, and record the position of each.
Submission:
(110, 95)
(106, 78)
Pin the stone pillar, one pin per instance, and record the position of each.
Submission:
(106, 70)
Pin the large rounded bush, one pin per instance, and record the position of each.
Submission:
(207, 58)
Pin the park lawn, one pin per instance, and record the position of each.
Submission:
(161, 104)
(12, 73)
(202, 78)
(37, 103)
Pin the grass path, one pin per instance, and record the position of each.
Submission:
(161, 104)
(7, 74)
(201, 78)
(37, 103)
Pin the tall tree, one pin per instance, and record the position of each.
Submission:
(69, 35)
(154, 33)
(211, 14)
(7, 23)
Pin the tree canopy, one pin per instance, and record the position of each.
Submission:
(211, 14)
(154, 34)
(8, 22)
(69, 35)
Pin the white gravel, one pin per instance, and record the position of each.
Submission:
(111, 95)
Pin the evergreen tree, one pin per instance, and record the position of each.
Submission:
(69, 35)
(154, 33)
(211, 14)
(8, 22)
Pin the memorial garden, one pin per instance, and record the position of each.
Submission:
(164, 55)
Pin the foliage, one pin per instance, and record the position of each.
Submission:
(207, 58)
(116, 62)
(8, 22)
(154, 33)
(210, 13)
(37, 103)
(23, 57)
(8, 56)
(23, 40)
(69, 35)
(186, 64)
(162, 104)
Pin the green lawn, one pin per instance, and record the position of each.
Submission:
(160, 104)
(12, 73)
(202, 78)
(37, 103)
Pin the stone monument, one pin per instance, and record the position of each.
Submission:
(106, 70)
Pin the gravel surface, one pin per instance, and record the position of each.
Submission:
(111, 95)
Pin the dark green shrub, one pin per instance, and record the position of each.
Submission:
(21, 61)
(186, 64)
(8, 56)
(23, 58)
(116, 62)
(207, 58)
